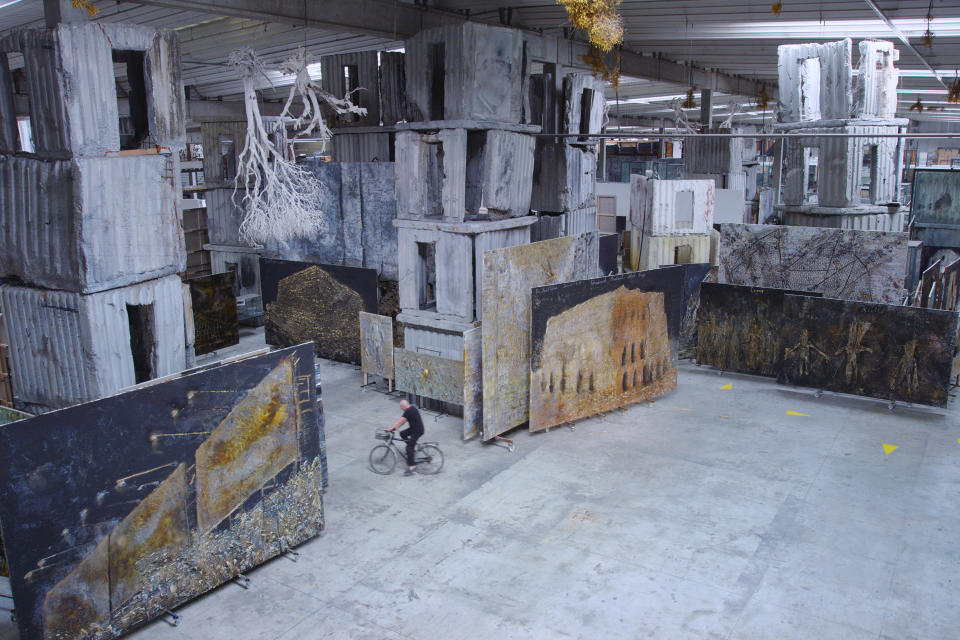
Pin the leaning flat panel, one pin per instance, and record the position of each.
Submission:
(739, 328)
(118, 510)
(472, 383)
(429, 376)
(869, 266)
(876, 350)
(508, 277)
(376, 345)
(608, 351)
(214, 304)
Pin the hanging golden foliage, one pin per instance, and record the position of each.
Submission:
(776, 8)
(599, 18)
(953, 93)
(86, 5)
(595, 59)
(763, 98)
(690, 103)
(917, 106)
(927, 38)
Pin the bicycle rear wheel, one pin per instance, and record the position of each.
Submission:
(383, 459)
(429, 459)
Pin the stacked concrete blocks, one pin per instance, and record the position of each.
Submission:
(90, 240)
(565, 169)
(671, 221)
(374, 80)
(857, 184)
(464, 165)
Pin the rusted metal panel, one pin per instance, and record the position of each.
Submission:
(429, 376)
(376, 345)
(607, 351)
(509, 275)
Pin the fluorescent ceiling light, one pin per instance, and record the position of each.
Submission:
(7, 3)
(794, 29)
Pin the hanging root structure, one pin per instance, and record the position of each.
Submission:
(280, 199)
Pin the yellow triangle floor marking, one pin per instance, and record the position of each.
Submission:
(727, 387)
(797, 413)
(890, 448)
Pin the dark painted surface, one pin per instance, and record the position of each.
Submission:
(69, 478)
(609, 248)
(318, 303)
(739, 328)
(881, 351)
(215, 322)
(555, 299)
(693, 276)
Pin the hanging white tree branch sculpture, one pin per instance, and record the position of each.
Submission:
(280, 198)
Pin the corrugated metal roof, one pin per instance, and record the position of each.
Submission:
(734, 36)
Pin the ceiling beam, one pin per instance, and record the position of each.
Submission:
(397, 21)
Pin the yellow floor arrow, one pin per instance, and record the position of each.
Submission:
(727, 387)
(797, 413)
(890, 448)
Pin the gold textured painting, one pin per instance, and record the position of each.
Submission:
(317, 303)
(607, 352)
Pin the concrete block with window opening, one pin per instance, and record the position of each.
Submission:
(671, 207)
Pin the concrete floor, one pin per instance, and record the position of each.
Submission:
(710, 514)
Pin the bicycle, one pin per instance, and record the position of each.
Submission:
(383, 457)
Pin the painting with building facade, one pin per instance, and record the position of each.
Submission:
(739, 328)
(430, 376)
(318, 303)
(881, 351)
(869, 266)
(207, 476)
(215, 324)
(608, 351)
(509, 275)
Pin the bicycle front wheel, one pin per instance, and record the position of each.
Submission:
(383, 459)
(429, 459)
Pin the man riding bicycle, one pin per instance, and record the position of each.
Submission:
(410, 435)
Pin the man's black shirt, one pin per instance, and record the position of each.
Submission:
(413, 419)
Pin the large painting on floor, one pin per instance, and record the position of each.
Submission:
(739, 328)
(881, 351)
(215, 323)
(597, 349)
(868, 266)
(507, 278)
(117, 510)
(317, 303)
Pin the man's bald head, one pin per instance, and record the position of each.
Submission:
(404, 404)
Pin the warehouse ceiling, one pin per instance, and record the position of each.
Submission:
(721, 40)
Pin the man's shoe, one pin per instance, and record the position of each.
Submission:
(409, 472)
